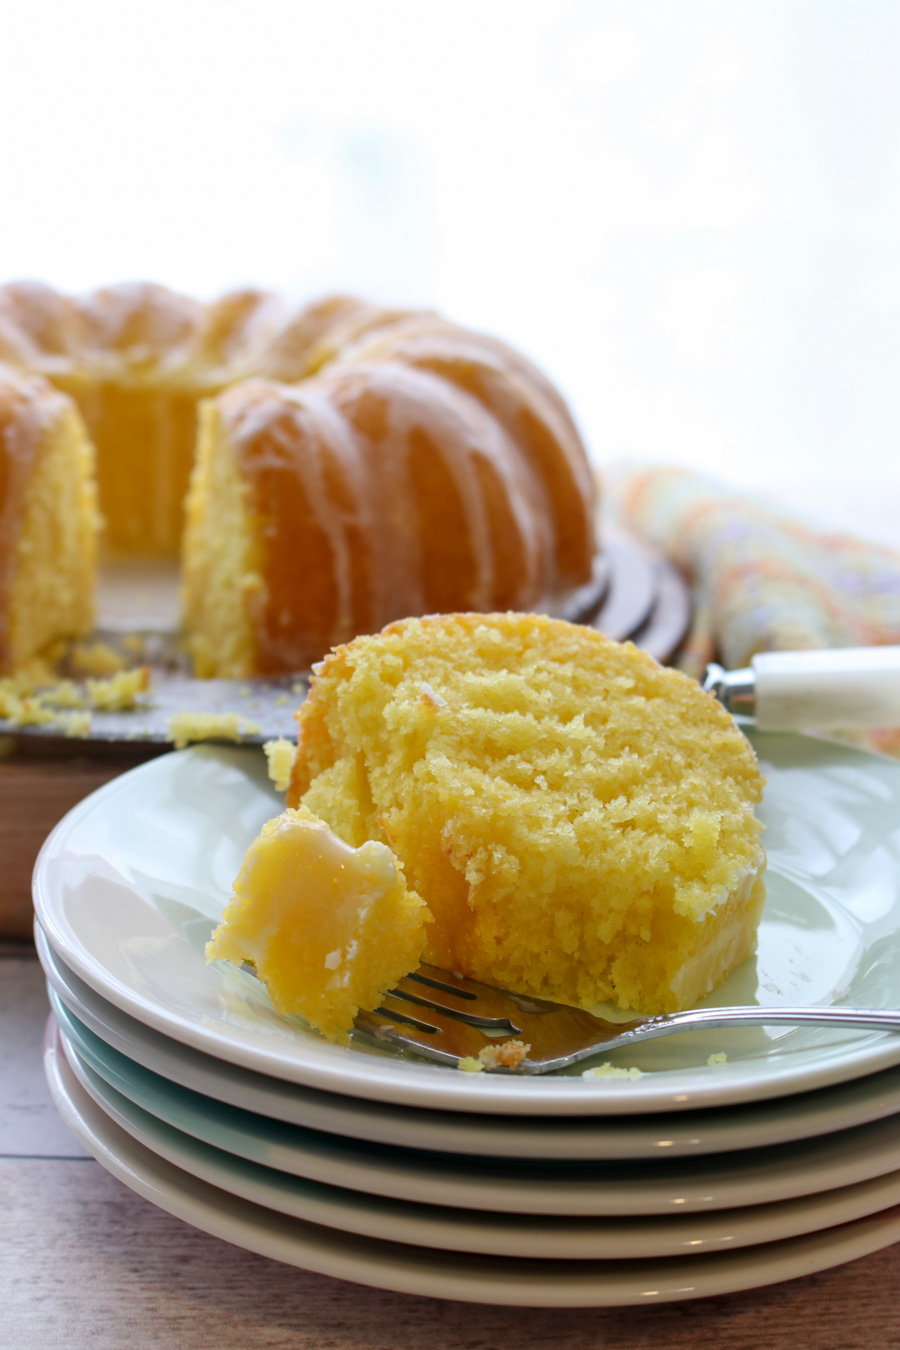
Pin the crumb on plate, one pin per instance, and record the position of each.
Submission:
(608, 1070)
(505, 1055)
(280, 761)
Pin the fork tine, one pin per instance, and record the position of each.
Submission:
(461, 986)
(427, 975)
(449, 1028)
(440, 1036)
(559, 1036)
(491, 1026)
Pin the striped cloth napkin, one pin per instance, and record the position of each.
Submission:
(761, 580)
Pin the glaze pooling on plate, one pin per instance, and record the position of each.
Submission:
(131, 882)
(440, 1274)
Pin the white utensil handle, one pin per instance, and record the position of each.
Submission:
(827, 690)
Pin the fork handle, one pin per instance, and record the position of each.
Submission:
(872, 1019)
(822, 690)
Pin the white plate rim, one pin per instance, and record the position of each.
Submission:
(587, 1189)
(681, 1134)
(318, 1064)
(482, 1232)
(419, 1271)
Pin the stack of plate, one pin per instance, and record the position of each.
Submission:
(696, 1176)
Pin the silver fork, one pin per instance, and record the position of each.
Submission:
(446, 1017)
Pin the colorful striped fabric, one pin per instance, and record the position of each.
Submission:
(761, 580)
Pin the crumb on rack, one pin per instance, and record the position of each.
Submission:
(186, 727)
(23, 705)
(134, 644)
(10, 699)
(280, 761)
(96, 659)
(74, 723)
(65, 703)
(119, 693)
(64, 694)
(31, 712)
(608, 1070)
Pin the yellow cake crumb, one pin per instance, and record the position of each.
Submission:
(23, 704)
(65, 703)
(134, 644)
(74, 723)
(328, 928)
(97, 659)
(609, 1070)
(280, 762)
(64, 694)
(32, 713)
(579, 820)
(504, 1055)
(186, 727)
(120, 692)
(719, 1058)
(10, 699)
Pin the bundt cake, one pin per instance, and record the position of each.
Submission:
(136, 358)
(355, 464)
(328, 928)
(48, 521)
(579, 821)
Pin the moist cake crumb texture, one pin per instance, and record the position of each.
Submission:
(579, 821)
(327, 927)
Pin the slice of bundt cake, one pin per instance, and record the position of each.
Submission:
(48, 521)
(579, 821)
(328, 928)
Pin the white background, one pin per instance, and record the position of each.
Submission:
(687, 212)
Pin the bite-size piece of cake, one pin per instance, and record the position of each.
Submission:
(579, 820)
(328, 927)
